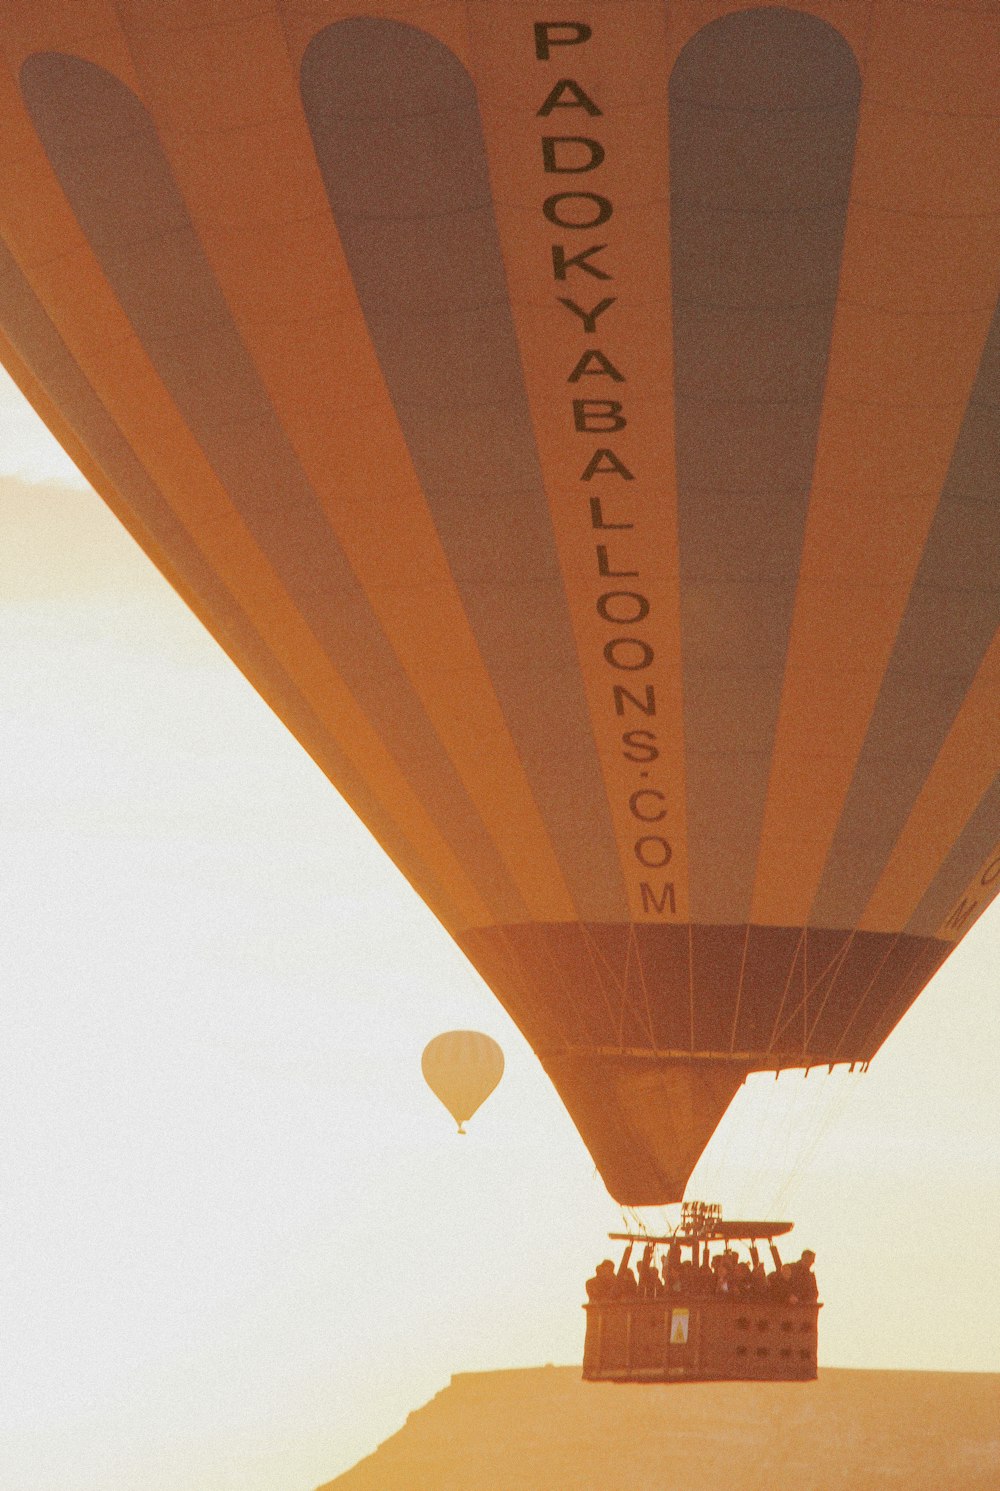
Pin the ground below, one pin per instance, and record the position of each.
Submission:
(543, 1429)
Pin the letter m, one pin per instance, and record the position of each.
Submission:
(651, 902)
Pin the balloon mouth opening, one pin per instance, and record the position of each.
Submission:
(460, 1129)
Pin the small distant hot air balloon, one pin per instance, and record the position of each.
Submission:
(461, 1068)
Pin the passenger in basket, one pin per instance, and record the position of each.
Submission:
(704, 1279)
(602, 1284)
(649, 1278)
(779, 1284)
(804, 1286)
(670, 1271)
(682, 1282)
(742, 1278)
(626, 1284)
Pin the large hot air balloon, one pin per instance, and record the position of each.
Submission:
(585, 433)
(461, 1068)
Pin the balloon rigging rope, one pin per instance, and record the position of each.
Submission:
(834, 1111)
(793, 1133)
(766, 1137)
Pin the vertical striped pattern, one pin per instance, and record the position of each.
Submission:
(763, 114)
(409, 190)
(106, 155)
(951, 618)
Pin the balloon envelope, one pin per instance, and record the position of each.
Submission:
(583, 433)
(462, 1067)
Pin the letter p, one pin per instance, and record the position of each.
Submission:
(549, 34)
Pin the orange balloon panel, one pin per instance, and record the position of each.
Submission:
(586, 435)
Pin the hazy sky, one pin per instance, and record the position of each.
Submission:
(239, 1240)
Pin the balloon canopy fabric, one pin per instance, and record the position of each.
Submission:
(585, 433)
(462, 1067)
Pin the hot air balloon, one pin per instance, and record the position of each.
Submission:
(584, 434)
(461, 1068)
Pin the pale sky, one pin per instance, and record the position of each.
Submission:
(239, 1239)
